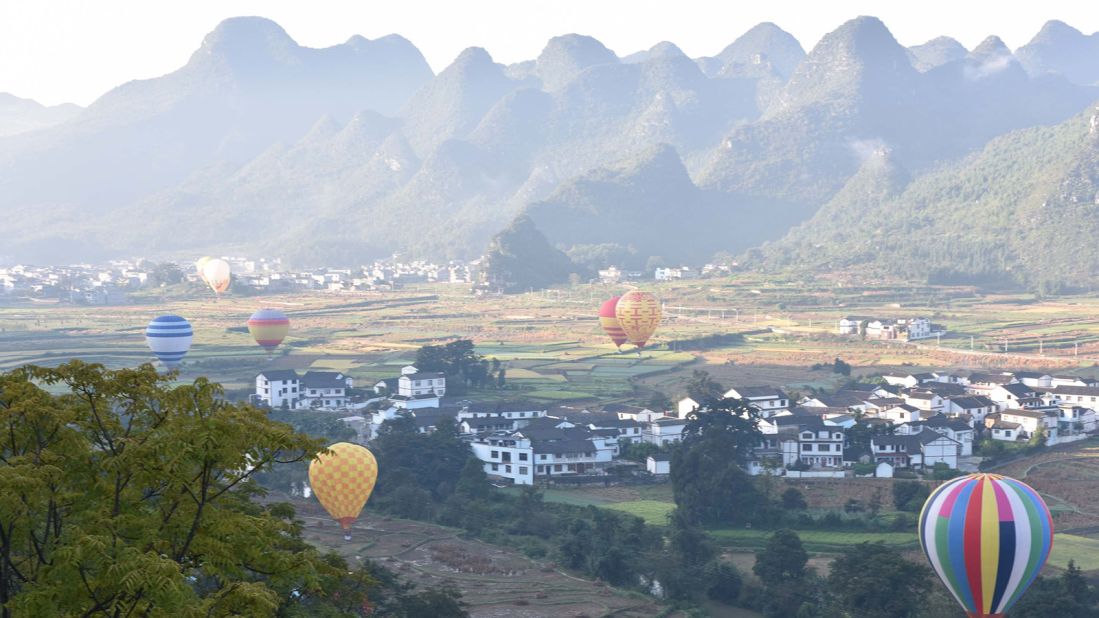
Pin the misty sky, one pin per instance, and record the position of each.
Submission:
(75, 50)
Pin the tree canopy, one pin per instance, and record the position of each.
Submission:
(123, 495)
(707, 475)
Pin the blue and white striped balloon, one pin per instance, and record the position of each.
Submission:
(169, 337)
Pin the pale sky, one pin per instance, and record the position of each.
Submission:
(75, 50)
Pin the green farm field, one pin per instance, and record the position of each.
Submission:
(744, 329)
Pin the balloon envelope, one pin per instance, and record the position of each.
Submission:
(986, 536)
(217, 274)
(268, 327)
(638, 314)
(200, 265)
(609, 321)
(169, 337)
(343, 480)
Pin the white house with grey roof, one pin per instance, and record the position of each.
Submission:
(325, 389)
(277, 388)
(551, 448)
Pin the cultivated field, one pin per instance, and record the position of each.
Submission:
(551, 343)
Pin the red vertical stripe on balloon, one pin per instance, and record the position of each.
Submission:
(973, 545)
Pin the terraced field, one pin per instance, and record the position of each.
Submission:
(494, 581)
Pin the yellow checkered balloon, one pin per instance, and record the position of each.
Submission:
(343, 480)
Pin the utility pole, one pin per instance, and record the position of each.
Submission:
(1076, 348)
(939, 340)
(1040, 352)
(971, 343)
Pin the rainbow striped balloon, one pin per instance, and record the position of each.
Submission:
(169, 337)
(269, 328)
(986, 536)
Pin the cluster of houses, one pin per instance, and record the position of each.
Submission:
(111, 283)
(387, 274)
(908, 420)
(613, 274)
(108, 284)
(904, 329)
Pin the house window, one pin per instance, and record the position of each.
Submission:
(507, 469)
(495, 454)
(523, 470)
(806, 447)
(522, 456)
(556, 467)
(542, 456)
(495, 467)
(824, 447)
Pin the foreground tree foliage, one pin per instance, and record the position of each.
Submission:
(122, 495)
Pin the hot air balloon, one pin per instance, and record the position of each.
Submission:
(986, 536)
(268, 328)
(609, 321)
(200, 265)
(169, 337)
(343, 480)
(216, 273)
(638, 314)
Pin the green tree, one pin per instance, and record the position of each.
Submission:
(871, 580)
(166, 273)
(782, 560)
(793, 500)
(702, 387)
(708, 480)
(1068, 596)
(123, 495)
(909, 495)
(841, 367)
(724, 582)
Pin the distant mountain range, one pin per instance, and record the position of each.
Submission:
(340, 154)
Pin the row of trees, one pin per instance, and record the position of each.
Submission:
(463, 366)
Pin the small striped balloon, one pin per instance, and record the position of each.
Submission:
(269, 328)
(169, 337)
(986, 536)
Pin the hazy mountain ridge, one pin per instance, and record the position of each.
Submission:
(1022, 210)
(259, 144)
(19, 115)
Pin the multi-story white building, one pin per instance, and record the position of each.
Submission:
(277, 388)
(554, 448)
(767, 399)
(325, 389)
(923, 449)
(954, 428)
(664, 431)
(1028, 421)
(478, 418)
(975, 407)
(415, 383)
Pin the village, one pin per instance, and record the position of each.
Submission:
(916, 422)
(114, 282)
